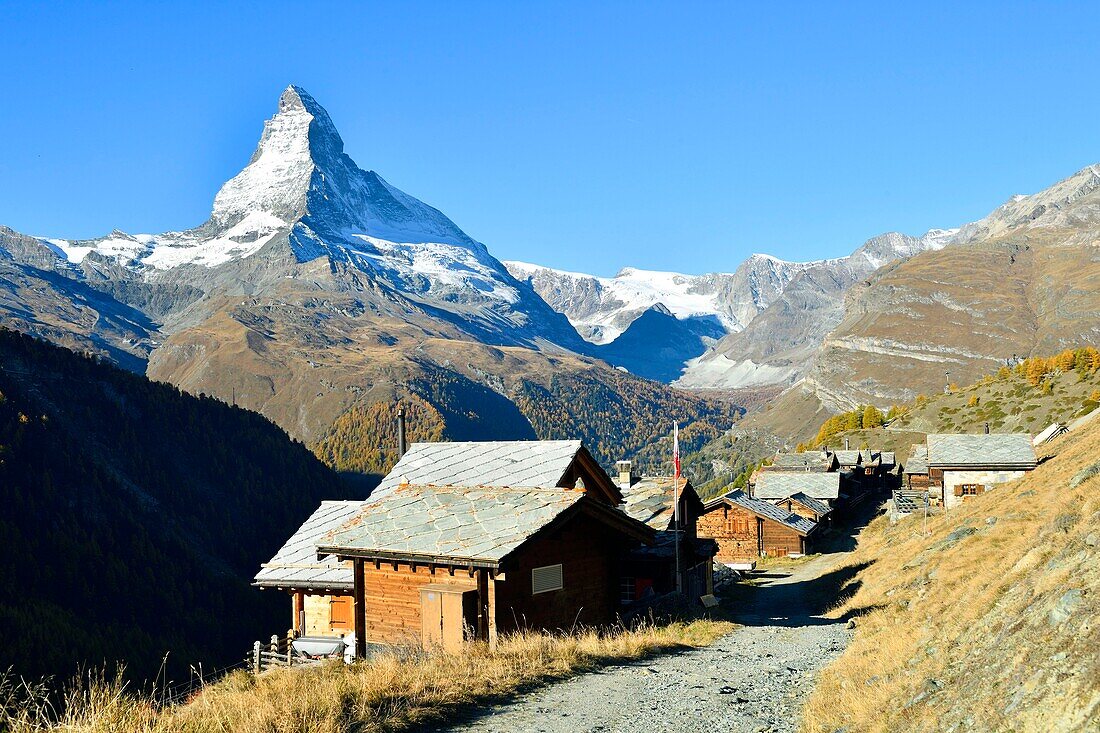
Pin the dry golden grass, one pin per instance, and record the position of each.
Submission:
(390, 692)
(959, 636)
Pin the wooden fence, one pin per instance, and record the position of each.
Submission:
(277, 653)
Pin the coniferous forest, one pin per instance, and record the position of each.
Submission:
(133, 517)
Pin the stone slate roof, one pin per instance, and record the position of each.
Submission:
(760, 508)
(295, 565)
(664, 547)
(807, 461)
(818, 507)
(514, 463)
(779, 485)
(888, 459)
(850, 457)
(1008, 450)
(456, 524)
(649, 500)
(918, 459)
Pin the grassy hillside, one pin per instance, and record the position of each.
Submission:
(134, 517)
(1024, 399)
(986, 621)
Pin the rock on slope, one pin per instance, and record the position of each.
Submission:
(987, 622)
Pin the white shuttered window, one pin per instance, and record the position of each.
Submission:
(546, 579)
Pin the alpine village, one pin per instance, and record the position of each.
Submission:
(324, 463)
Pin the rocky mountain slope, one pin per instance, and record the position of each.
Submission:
(759, 325)
(316, 290)
(602, 308)
(1024, 280)
(778, 345)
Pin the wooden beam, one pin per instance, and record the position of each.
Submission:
(482, 604)
(492, 608)
(359, 610)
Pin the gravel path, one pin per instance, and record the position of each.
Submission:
(754, 679)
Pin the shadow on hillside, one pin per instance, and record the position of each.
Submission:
(842, 535)
(772, 602)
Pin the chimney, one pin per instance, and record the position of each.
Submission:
(623, 468)
(847, 444)
(987, 428)
(400, 432)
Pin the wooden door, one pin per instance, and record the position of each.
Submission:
(340, 617)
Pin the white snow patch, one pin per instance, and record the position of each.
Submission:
(445, 266)
(720, 372)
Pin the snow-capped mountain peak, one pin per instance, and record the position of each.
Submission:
(601, 308)
(277, 178)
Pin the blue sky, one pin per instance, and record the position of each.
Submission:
(664, 136)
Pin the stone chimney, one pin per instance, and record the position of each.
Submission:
(847, 444)
(623, 468)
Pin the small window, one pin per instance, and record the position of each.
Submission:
(972, 489)
(626, 590)
(545, 579)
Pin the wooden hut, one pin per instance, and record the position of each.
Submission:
(322, 589)
(745, 528)
(435, 565)
(961, 466)
(805, 505)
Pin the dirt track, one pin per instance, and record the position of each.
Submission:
(755, 679)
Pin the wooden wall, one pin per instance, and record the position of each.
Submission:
(780, 540)
(392, 599)
(590, 554)
(735, 531)
(742, 535)
(318, 616)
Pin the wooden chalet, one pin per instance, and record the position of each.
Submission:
(320, 589)
(438, 565)
(322, 586)
(962, 466)
(651, 569)
(805, 505)
(746, 528)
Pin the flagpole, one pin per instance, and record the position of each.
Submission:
(676, 504)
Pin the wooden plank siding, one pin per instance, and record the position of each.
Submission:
(735, 530)
(590, 557)
(392, 599)
(742, 535)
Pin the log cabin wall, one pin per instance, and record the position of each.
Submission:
(735, 531)
(392, 599)
(590, 555)
(779, 540)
